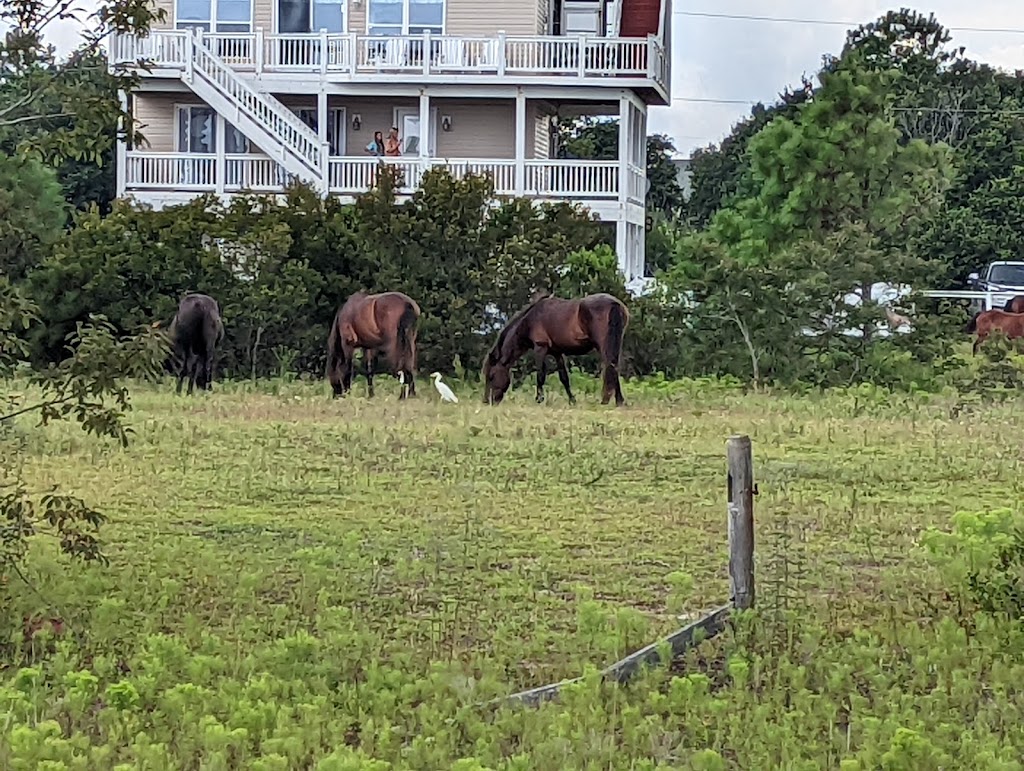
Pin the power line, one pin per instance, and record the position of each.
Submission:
(902, 108)
(713, 101)
(830, 22)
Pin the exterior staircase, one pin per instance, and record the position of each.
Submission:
(271, 126)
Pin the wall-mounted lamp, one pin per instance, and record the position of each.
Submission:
(446, 123)
(357, 122)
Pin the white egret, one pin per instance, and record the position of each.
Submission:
(444, 390)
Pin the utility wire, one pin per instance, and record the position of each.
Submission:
(830, 22)
(901, 108)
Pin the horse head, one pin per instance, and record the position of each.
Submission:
(497, 378)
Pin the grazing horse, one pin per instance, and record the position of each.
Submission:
(195, 332)
(1015, 304)
(552, 325)
(1011, 324)
(374, 322)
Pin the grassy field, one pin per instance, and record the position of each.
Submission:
(296, 582)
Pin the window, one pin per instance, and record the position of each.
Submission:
(406, 17)
(329, 15)
(197, 132)
(302, 16)
(335, 126)
(214, 15)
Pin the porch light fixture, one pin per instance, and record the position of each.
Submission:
(446, 122)
(357, 122)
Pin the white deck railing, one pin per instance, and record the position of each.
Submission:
(364, 56)
(192, 172)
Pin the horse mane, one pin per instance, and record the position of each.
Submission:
(509, 328)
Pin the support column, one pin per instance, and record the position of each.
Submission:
(426, 129)
(623, 240)
(322, 116)
(640, 153)
(121, 161)
(220, 164)
(520, 142)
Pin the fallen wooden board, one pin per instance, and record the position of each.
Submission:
(622, 671)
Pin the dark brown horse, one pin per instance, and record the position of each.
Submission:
(1015, 304)
(985, 323)
(374, 322)
(551, 325)
(195, 332)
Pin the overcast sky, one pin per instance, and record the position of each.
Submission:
(747, 60)
(750, 61)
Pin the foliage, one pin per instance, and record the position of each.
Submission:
(598, 139)
(296, 582)
(87, 388)
(87, 176)
(834, 193)
(280, 270)
(59, 111)
(983, 561)
(31, 214)
(719, 173)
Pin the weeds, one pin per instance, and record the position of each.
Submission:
(296, 582)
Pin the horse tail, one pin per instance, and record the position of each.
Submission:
(406, 335)
(618, 317)
(335, 355)
(972, 325)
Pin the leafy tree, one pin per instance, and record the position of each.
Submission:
(65, 112)
(88, 388)
(131, 266)
(718, 172)
(280, 270)
(31, 214)
(837, 174)
(598, 139)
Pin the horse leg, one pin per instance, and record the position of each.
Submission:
(541, 353)
(619, 398)
(182, 373)
(208, 370)
(368, 356)
(410, 383)
(347, 367)
(612, 386)
(563, 375)
(193, 368)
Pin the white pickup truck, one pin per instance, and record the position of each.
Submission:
(1001, 281)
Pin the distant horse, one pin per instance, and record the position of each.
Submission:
(1015, 304)
(195, 332)
(552, 325)
(896, 320)
(374, 322)
(1011, 324)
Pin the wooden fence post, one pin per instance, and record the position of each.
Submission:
(741, 521)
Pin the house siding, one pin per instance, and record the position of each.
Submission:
(462, 17)
(155, 115)
(483, 18)
(480, 128)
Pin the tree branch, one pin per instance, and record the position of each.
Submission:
(35, 407)
(30, 118)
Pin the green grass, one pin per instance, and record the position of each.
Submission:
(296, 581)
